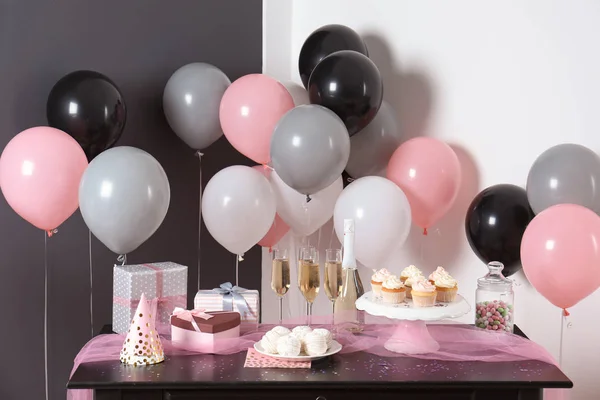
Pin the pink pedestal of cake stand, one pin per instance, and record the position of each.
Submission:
(411, 335)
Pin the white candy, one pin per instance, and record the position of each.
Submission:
(315, 343)
(281, 330)
(326, 334)
(269, 342)
(300, 332)
(288, 346)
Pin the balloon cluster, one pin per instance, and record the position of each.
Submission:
(304, 138)
(552, 228)
(123, 193)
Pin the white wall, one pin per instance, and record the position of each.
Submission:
(501, 82)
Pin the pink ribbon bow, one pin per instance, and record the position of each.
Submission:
(188, 315)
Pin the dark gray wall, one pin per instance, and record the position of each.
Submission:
(139, 44)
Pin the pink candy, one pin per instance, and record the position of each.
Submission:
(494, 315)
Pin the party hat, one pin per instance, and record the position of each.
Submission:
(142, 345)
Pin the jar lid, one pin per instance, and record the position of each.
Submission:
(494, 280)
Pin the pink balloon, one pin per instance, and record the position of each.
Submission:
(40, 170)
(250, 109)
(279, 227)
(275, 234)
(560, 253)
(428, 171)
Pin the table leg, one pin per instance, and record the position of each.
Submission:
(412, 337)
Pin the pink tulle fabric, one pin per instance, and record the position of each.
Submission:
(452, 342)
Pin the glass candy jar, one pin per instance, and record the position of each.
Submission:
(494, 300)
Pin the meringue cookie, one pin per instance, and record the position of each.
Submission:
(288, 345)
(269, 342)
(316, 344)
(300, 332)
(281, 330)
(326, 334)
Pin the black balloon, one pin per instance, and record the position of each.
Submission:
(495, 223)
(350, 85)
(88, 106)
(324, 41)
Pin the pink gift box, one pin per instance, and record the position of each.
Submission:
(198, 331)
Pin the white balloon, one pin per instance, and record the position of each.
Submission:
(302, 217)
(382, 218)
(238, 207)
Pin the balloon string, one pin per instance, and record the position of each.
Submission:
(46, 311)
(237, 269)
(562, 327)
(199, 154)
(122, 259)
(331, 237)
(91, 283)
(318, 240)
(307, 216)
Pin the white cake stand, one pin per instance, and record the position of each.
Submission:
(411, 335)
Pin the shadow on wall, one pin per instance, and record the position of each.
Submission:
(410, 92)
(443, 243)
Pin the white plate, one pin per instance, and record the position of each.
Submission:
(334, 348)
(407, 311)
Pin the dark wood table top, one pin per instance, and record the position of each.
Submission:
(361, 370)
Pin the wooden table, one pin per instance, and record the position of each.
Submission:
(348, 377)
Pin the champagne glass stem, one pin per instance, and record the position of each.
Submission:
(280, 309)
(309, 313)
(332, 316)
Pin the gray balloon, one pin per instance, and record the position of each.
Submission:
(372, 147)
(191, 103)
(567, 173)
(124, 196)
(310, 147)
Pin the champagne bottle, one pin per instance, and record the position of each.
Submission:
(352, 287)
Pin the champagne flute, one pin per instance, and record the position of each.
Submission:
(280, 277)
(333, 277)
(308, 277)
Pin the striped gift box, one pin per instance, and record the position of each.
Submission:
(212, 300)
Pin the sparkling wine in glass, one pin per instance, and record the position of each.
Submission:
(308, 276)
(280, 276)
(333, 277)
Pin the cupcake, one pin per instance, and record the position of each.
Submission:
(440, 271)
(408, 272)
(393, 290)
(410, 281)
(377, 279)
(446, 287)
(423, 294)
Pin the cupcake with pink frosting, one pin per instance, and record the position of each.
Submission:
(410, 281)
(440, 271)
(423, 294)
(377, 280)
(408, 272)
(393, 290)
(446, 287)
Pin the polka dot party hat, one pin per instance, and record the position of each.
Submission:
(142, 345)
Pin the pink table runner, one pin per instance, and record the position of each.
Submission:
(456, 343)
